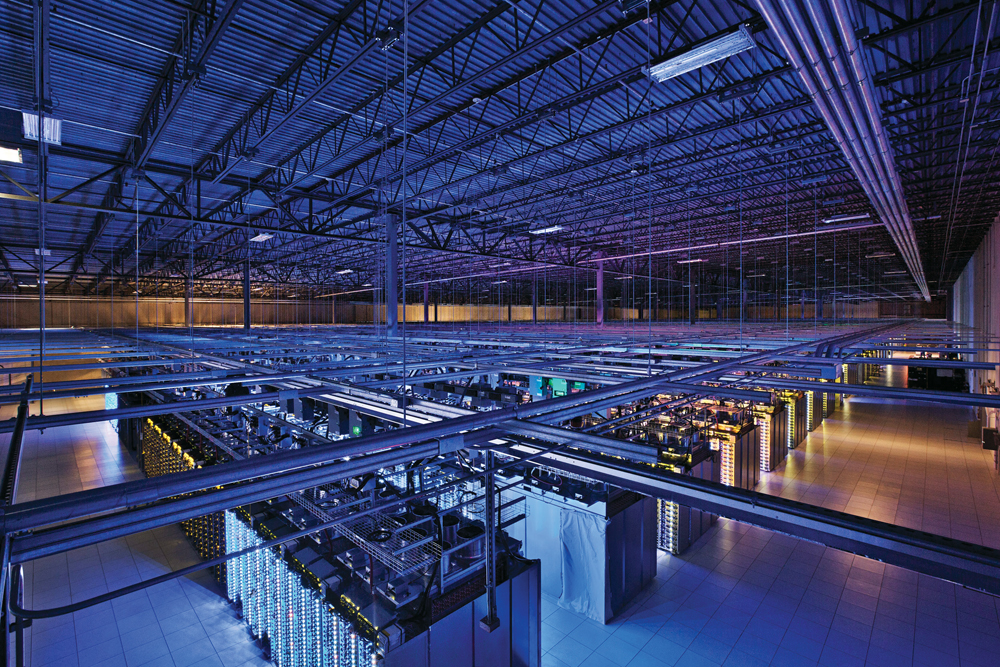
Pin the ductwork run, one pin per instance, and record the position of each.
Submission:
(818, 39)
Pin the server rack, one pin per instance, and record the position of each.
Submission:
(772, 425)
(679, 526)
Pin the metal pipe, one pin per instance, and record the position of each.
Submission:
(101, 528)
(843, 96)
(392, 275)
(12, 462)
(491, 621)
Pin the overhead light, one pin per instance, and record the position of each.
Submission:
(497, 266)
(713, 50)
(880, 255)
(590, 289)
(631, 5)
(344, 272)
(783, 147)
(545, 230)
(927, 217)
(757, 275)
(10, 155)
(624, 278)
(500, 282)
(847, 218)
(832, 201)
(812, 180)
(689, 261)
(367, 285)
(739, 92)
(260, 238)
(51, 130)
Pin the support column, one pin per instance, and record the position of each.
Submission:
(392, 276)
(427, 302)
(600, 294)
(491, 621)
(333, 310)
(692, 309)
(189, 302)
(246, 296)
(43, 106)
(534, 301)
(802, 301)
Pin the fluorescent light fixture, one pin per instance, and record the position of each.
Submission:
(784, 146)
(51, 130)
(833, 201)
(894, 273)
(880, 255)
(545, 230)
(367, 285)
(500, 282)
(739, 92)
(260, 238)
(689, 261)
(10, 155)
(757, 275)
(344, 272)
(631, 5)
(927, 217)
(847, 218)
(590, 289)
(711, 51)
(624, 278)
(814, 179)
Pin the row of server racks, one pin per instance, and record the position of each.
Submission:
(324, 600)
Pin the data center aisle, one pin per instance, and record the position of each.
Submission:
(902, 462)
(746, 596)
(181, 623)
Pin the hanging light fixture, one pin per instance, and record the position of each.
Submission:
(847, 218)
(545, 230)
(711, 51)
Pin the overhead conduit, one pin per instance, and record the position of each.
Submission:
(818, 39)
